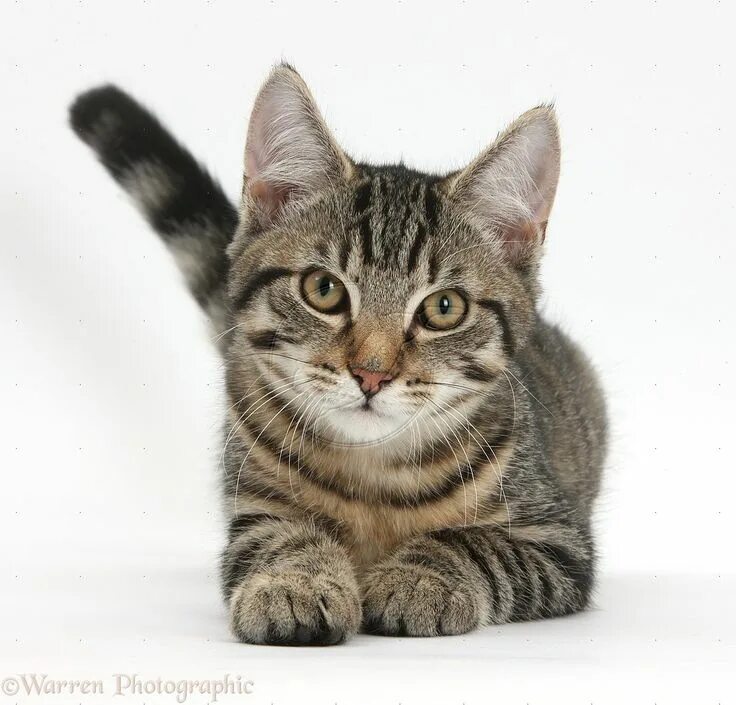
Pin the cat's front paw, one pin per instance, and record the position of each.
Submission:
(404, 599)
(294, 608)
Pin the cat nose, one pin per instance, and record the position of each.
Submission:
(370, 382)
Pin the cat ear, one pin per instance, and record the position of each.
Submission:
(509, 189)
(290, 153)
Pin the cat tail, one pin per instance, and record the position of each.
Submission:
(181, 201)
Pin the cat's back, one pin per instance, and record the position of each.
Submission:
(569, 408)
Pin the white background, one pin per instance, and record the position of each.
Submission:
(110, 392)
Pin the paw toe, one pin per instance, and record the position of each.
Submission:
(294, 610)
(413, 600)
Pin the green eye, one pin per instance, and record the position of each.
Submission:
(442, 310)
(324, 292)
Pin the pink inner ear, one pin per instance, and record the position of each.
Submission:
(519, 239)
(269, 197)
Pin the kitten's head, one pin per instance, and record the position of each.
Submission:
(370, 297)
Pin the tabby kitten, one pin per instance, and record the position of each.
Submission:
(409, 446)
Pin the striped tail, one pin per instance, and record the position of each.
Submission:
(180, 200)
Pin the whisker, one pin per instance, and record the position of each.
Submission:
(459, 470)
(232, 429)
(253, 445)
(272, 394)
(467, 459)
(286, 433)
(258, 353)
(528, 391)
(291, 443)
(482, 445)
(513, 398)
(313, 406)
(218, 337)
(459, 386)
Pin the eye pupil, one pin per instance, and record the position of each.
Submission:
(325, 286)
(444, 305)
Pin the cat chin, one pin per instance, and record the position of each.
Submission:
(363, 426)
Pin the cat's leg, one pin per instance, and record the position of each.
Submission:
(454, 580)
(288, 582)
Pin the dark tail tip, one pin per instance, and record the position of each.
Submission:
(92, 110)
(121, 131)
(125, 135)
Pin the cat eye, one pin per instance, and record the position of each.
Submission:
(324, 292)
(442, 310)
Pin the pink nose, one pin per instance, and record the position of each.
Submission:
(370, 382)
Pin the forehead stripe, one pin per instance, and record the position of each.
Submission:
(362, 206)
(416, 247)
(421, 231)
(257, 280)
(430, 205)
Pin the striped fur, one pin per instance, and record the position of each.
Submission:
(458, 496)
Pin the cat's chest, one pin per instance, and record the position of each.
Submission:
(371, 531)
(374, 506)
(375, 518)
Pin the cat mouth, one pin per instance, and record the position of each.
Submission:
(367, 408)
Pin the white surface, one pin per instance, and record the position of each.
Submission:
(650, 639)
(110, 393)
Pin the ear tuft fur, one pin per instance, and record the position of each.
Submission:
(509, 189)
(290, 153)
